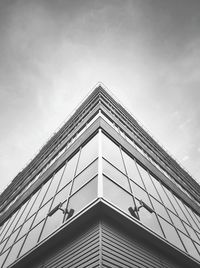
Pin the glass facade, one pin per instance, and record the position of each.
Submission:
(100, 166)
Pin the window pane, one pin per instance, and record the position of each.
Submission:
(163, 195)
(149, 219)
(69, 171)
(13, 253)
(115, 175)
(117, 196)
(148, 183)
(132, 169)
(2, 257)
(25, 228)
(42, 213)
(171, 234)
(85, 175)
(11, 240)
(191, 232)
(140, 194)
(88, 153)
(177, 222)
(160, 209)
(61, 196)
(52, 223)
(112, 153)
(31, 239)
(189, 246)
(53, 186)
(84, 196)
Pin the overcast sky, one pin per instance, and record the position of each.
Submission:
(52, 53)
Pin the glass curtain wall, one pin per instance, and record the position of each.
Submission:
(126, 183)
(72, 186)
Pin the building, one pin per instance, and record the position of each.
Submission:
(101, 193)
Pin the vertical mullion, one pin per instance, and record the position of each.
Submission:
(100, 167)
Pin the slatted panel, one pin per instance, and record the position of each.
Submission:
(80, 253)
(118, 250)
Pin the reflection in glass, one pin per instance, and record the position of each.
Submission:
(177, 222)
(25, 227)
(112, 153)
(31, 239)
(88, 153)
(61, 196)
(191, 233)
(115, 175)
(69, 171)
(189, 246)
(160, 209)
(42, 213)
(11, 240)
(116, 195)
(149, 219)
(171, 234)
(132, 169)
(13, 253)
(85, 175)
(52, 223)
(140, 194)
(84, 196)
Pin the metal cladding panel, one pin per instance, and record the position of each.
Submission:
(119, 250)
(81, 252)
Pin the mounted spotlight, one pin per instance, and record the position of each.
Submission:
(134, 212)
(65, 211)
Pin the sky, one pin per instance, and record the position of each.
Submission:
(53, 53)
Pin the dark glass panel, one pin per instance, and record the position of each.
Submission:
(52, 223)
(132, 169)
(115, 175)
(84, 196)
(161, 190)
(31, 239)
(171, 234)
(192, 233)
(25, 228)
(177, 222)
(85, 175)
(112, 153)
(160, 209)
(189, 246)
(140, 194)
(53, 186)
(61, 196)
(149, 219)
(13, 253)
(42, 213)
(148, 183)
(117, 196)
(69, 172)
(88, 153)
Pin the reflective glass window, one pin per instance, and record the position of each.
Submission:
(31, 239)
(171, 234)
(191, 232)
(88, 153)
(163, 195)
(25, 228)
(149, 219)
(11, 239)
(3, 244)
(84, 196)
(52, 223)
(13, 253)
(2, 257)
(116, 195)
(42, 213)
(69, 171)
(177, 222)
(140, 194)
(148, 182)
(112, 153)
(160, 209)
(115, 175)
(53, 186)
(132, 169)
(177, 208)
(190, 216)
(85, 175)
(189, 245)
